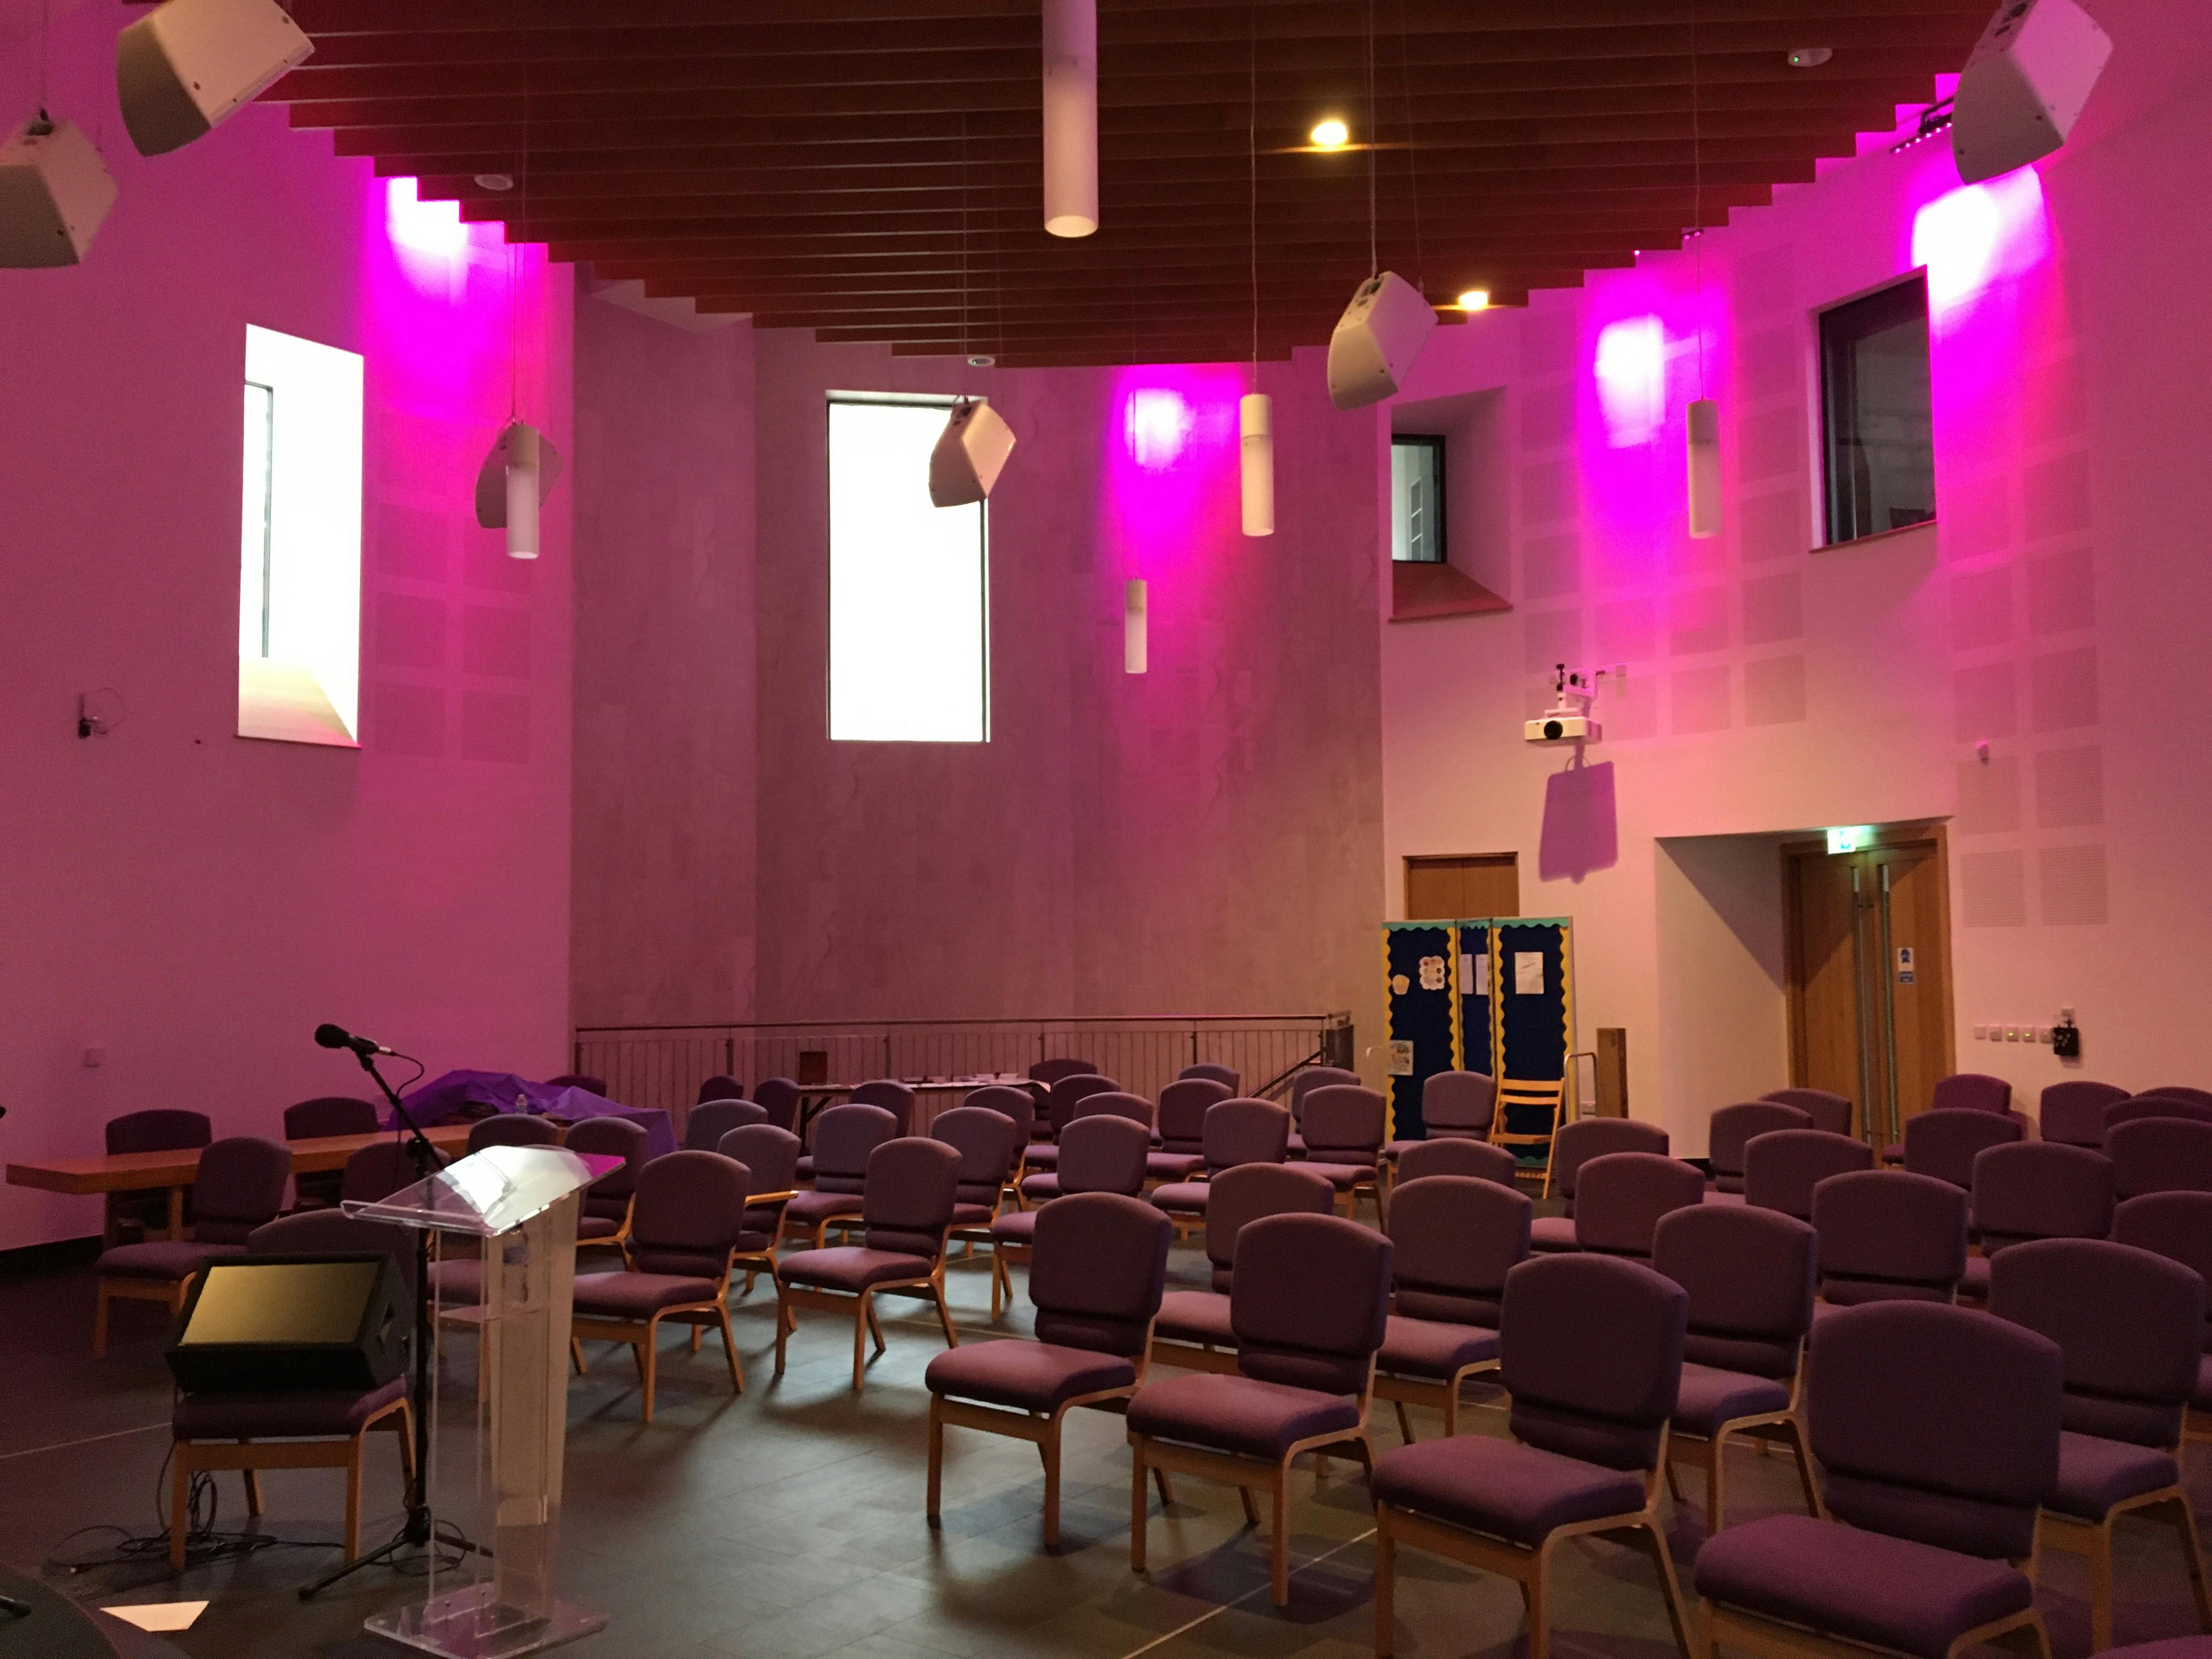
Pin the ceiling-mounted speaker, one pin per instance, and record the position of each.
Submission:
(969, 455)
(183, 68)
(54, 191)
(1376, 340)
(2024, 85)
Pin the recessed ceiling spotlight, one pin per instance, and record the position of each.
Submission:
(495, 180)
(1475, 299)
(1331, 133)
(1810, 57)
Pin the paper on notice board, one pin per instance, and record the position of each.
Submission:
(1401, 1058)
(1481, 975)
(1529, 973)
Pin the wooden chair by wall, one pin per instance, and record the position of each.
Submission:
(1549, 1098)
(212, 1433)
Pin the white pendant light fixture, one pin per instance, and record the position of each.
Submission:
(1133, 626)
(1701, 422)
(1255, 410)
(1071, 116)
(523, 465)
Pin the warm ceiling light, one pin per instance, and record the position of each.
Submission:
(1331, 133)
(1475, 299)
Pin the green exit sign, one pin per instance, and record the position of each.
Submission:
(1850, 837)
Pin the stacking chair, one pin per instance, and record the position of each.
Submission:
(1456, 1237)
(1578, 1143)
(1302, 1084)
(1620, 1197)
(893, 1097)
(845, 1137)
(686, 1222)
(584, 1080)
(1115, 1102)
(912, 1187)
(1308, 1305)
(1227, 1076)
(1068, 1092)
(1049, 1071)
(770, 1156)
(513, 1129)
(1944, 1143)
(1344, 1128)
(157, 1129)
(1457, 1156)
(2027, 1189)
(720, 1086)
(1748, 1273)
(1017, 1106)
(1887, 1236)
(1547, 1097)
(1972, 1091)
(2159, 1155)
(604, 1219)
(2183, 1091)
(1781, 1167)
(330, 1232)
(1181, 1130)
(1194, 1329)
(239, 1186)
(317, 1119)
(1101, 1264)
(1589, 1438)
(1455, 1106)
(1102, 1153)
(2155, 1104)
(2130, 1327)
(2073, 1113)
(1732, 1127)
(985, 1140)
(2178, 1227)
(1830, 1113)
(1935, 1431)
(778, 1097)
(711, 1119)
(377, 1171)
(1236, 1131)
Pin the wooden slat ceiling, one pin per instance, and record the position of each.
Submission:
(870, 168)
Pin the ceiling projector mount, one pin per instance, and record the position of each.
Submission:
(1568, 720)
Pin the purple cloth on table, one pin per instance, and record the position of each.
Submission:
(440, 1099)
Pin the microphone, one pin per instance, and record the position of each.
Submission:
(337, 1036)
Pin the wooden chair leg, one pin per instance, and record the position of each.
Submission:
(181, 1486)
(1251, 1509)
(403, 1423)
(2192, 1555)
(944, 1318)
(252, 1486)
(353, 1499)
(1533, 1592)
(1451, 1406)
(1278, 1560)
(875, 1327)
(998, 1277)
(1804, 1460)
(931, 1504)
(1386, 1574)
(729, 1350)
(1167, 1493)
(576, 1355)
(100, 1329)
(1713, 1520)
(860, 1342)
(782, 1328)
(1137, 1506)
(1674, 1482)
(1405, 1423)
(648, 1355)
(1669, 1586)
(1048, 1449)
(697, 1331)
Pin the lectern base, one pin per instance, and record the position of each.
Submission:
(470, 1623)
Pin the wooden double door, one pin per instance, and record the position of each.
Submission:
(1870, 975)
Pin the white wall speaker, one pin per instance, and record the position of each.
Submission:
(185, 67)
(969, 455)
(1376, 340)
(54, 191)
(2024, 84)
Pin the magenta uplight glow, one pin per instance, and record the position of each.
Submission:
(1155, 422)
(1630, 367)
(1976, 234)
(431, 228)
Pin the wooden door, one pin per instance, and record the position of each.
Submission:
(1825, 1047)
(1916, 1026)
(1472, 884)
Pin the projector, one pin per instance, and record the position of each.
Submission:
(1568, 720)
(1376, 340)
(54, 191)
(1563, 728)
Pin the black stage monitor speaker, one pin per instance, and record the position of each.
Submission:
(256, 1324)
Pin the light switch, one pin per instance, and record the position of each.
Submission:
(1981, 1034)
(95, 1056)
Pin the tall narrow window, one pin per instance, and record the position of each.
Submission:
(1417, 500)
(1880, 458)
(299, 598)
(909, 584)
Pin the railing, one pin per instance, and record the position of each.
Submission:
(664, 1065)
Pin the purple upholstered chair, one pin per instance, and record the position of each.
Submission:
(1592, 1355)
(1748, 1273)
(603, 1218)
(986, 1142)
(1619, 1198)
(2159, 1155)
(1068, 1093)
(377, 1171)
(1100, 1264)
(1455, 1106)
(2138, 1106)
(1227, 1076)
(1887, 1236)
(1944, 1143)
(2183, 1091)
(711, 1119)
(1343, 1127)
(1236, 1131)
(331, 1115)
(1302, 1084)
(1575, 1144)
(157, 1129)
(720, 1086)
(1104, 1152)
(1311, 1296)
(893, 1097)
(845, 1138)
(1456, 1238)
(2029, 1189)
(1115, 1103)
(1829, 1112)
(778, 1097)
(1194, 1330)
(1972, 1091)
(1049, 1071)
(330, 1232)
(1936, 1432)
(2073, 1113)
(912, 1185)
(1180, 1131)
(1458, 1155)
(513, 1129)
(2178, 1227)
(688, 1216)
(1016, 1105)
(584, 1080)
(239, 1187)
(1781, 1167)
(1731, 1129)
(770, 1156)
(2130, 1325)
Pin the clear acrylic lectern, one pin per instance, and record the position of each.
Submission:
(520, 1203)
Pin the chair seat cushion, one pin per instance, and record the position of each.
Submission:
(851, 1267)
(167, 1259)
(805, 1168)
(1237, 1414)
(971, 1215)
(1433, 1348)
(636, 1296)
(458, 1282)
(1893, 1154)
(1041, 1155)
(279, 1414)
(1017, 1228)
(763, 1217)
(1040, 1188)
(811, 1209)
(1182, 1197)
(1026, 1376)
(597, 1226)
(1172, 1166)
(1724, 1196)
(755, 1244)
(2094, 1475)
(1502, 1487)
(1862, 1586)
(2202, 1400)
(1195, 1317)
(1344, 1176)
(1296, 1146)
(1711, 1397)
(1553, 1232)
(1975, 1283)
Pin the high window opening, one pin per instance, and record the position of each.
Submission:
(1879, 442)
(1417, 500)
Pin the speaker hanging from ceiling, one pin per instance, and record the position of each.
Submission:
(54, 193)
(2024, 85)
(970, 454)
(186, 67)
(1389, 320)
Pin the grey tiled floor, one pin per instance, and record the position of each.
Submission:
(787, 1524)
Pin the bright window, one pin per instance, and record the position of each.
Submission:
(299, 598)
(1881, 455)
(1417, 500)
(909, 593)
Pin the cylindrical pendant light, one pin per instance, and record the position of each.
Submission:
(522, 483)
(1071, 116)
(1133, 626)
(1255, 420)
(1703, 426)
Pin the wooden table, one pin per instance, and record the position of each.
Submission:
(137, 1172)
(929, 1097)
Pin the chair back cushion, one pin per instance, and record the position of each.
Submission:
(1115, 1102)
(333, 1232)
(1343, 1123)
(893, 1097)
(1781, 1167)
(1886, 1233)
(1049, 1071)
(1944, 1143)
(239, 1186)
(2073, 1112)
(720, 1086)
(331, 1115)
(1312, 1078)
(1183, 1106)
(1070, 1091)
(2040, 1189)
(2159, 1155)
(1935, 1423)
(584, 1080)
(2156, 1104)
(1731, 1127)
(845, 1138)
(513, 1129)
(2195, 1096)
(377, 1171)
(1239, 1196)
(778, 1097)
(1749, 1276)
(1458, 1155)
(770, 1155)
(1017, 1105)
(611, 1137)
(985, 1140)
(1245, 1131)
(1104, 1153)
(711, 1119)
(1098, 1266)
(2129, 1323)
(1972, 1091)
(690, 1209)
(1829, 1112)
(1457, 1237)
(1459, 1102)
(1310, 1301)
(2176, 1225)
(912, 1185)
(1227, 1076)
(1587, 1138)
(158, 1129)
(1590, 1348)
(1620, 1197)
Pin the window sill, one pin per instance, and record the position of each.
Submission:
(1420, 591)
(1872, 537)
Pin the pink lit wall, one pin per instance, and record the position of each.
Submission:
(2056, 609)
(186, 902)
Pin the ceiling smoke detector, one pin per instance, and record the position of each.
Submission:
(495, 180)
(980, 360)
(1810, 57)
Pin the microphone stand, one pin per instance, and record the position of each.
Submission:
(418, 1530)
